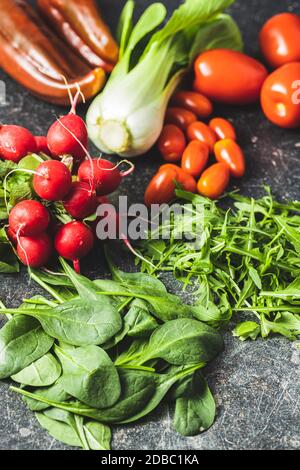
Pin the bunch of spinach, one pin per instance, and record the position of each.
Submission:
(103, 352)
(242, 257)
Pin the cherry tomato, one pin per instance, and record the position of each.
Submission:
(223, 128)
(279, 97)
(171, 143)
(280, 39)
(200, 131)
(194, 102)
(214, 181)
(195, 158)
(180, 117)
(229, 152)
(161, 188)
(187, 181)
(230, 77)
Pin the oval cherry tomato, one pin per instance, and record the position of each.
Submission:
(171, 143)
(180, 117)
(280, 39)
(194, 102)
(280, 99)
(229, 152)
(223, 128)
(214, 181)
(200, 131)
(161, 188)
(187, 181)
(229, 76)
(195, 158)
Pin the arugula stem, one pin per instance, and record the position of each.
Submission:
(47, 288)
(282, 308)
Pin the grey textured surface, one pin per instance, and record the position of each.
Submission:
(256, 384)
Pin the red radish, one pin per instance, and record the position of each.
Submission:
(29, 218)
(105, 175)
(74, 241)
(11, 235)
(68, 136)
(52, 180)
(16, 142)
(42, 146)
(35, 251)
(81, 201)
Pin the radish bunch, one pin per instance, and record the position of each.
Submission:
(67, 175)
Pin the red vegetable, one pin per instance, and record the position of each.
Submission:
(194, 102)
(36, 251)
(195, 158)
(223, 128)
(74, 241)
(180, 117)
(81, 201)
(214, 181)
(277, 96)
(29, 218)
(52, 180)
(280, 39)
(171, 143)
(68, 136)
(229, 152)
(41, 145)
(200, 131)
(16, 142)
(102, 174)
(229, 77)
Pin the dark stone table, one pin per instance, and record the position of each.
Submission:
(256, 384)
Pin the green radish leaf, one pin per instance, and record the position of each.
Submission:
(41, 373)
(22, 341)
(90, 376)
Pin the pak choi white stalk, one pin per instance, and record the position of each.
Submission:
(127, 117)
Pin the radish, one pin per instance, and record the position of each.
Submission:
(12, 236)
(52, 180)
(74, 241)
(16, 142)
(42, 145)
(104, 175)
(29, 218)
(81, 201)
(35, 251)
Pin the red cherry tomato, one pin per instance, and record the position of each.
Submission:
(194, 102)
(195, 158)
(214, 181)
(280, 39)
(180, 117)
(200, 131)
(229, 152)
(230, 77)
(223, 128)
(280, 98)
(161, 188)
(171, 143)
(184, 179)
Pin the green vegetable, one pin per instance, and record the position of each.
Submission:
(60, 431)
(90, 376)
(195, 411)
(98, 435)
(22, 341)
(8, 260)
(55, 392)
(41, 373)
(154, 62)
(79, 322)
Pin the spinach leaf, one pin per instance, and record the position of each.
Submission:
(22, 341)
(85, 288)
(59, 430)
(90, 376)
(77, 322)
(41, 373)
(182, 342)
(98, 435)
(195, 410)
(54, 392)
(140, 322)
